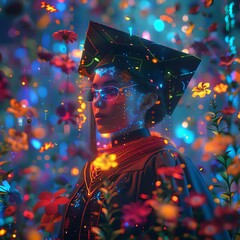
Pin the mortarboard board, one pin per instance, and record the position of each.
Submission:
(168, 70)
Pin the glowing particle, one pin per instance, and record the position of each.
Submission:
(185, 124)
(74, 171)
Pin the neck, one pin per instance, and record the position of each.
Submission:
(130, 135)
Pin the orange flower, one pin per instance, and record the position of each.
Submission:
(234, 168)
(201, 90)
(17, 140)
(65, 35)
(19, 109)
(221, 88)
(218, 144)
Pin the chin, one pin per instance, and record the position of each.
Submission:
(102, 129)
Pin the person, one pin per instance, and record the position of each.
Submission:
(134, 84)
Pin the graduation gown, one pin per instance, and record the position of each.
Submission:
(139, 155)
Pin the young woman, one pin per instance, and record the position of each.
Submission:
(134, 83)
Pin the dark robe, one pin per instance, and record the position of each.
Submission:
(139, 155)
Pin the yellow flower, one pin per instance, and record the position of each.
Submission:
(105, 161)
(218, 144)
(19, 109)
(221, 88)
(166, 211)
(17, 140)
(201, 90)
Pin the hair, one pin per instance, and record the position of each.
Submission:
(157, 112)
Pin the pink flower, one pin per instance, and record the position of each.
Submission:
(135, 213)
(195, 200)
(66, 113)
(190, 223)
(228, 216)
(65, 35)
(62, 61)
(209, 228)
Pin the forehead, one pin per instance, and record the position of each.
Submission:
(108, 76)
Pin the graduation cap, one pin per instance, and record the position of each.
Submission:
(167, 70)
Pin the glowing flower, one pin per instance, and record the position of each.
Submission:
(228, 216)
(51, 201)
(66, 64)
(218, 144)
(195, 200)
(19, 109)
(105, 161)
(166, 211)
(17, 140)
(135, 213)
(234, 167)
(221, 88)
(230, 110)
(48, 221)
(65, 35)
(176, 172)
(13, 194)
(209, 228)
(201, 90)
(67, 114)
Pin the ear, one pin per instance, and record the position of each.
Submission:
(148, 101)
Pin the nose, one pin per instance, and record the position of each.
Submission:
(99, 102)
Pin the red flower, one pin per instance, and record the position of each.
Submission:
(228, 216)
(65, 35)
(44, 55)
(28, 214)
(176, 172)
(51, 201)
(62, 61)
(9, 211)
(195, 200)
(135, 213)
(230, 110)
(66, 113)
(209, 228)
(48, 221)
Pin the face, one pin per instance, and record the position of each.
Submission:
(112, 116)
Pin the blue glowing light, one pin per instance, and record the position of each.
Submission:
(159, 25)
(29, 94)
(53, 119)
(61, 6)
(42, 92)
(20, 53)
(46, 40)
(185, 134)
(59, 47)
(9, 121)
(63, 149)
(35, 143)
(35, 66)
(170, 36)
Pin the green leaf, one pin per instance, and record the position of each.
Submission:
(116, 233)
(98, 232)
(224, 176)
